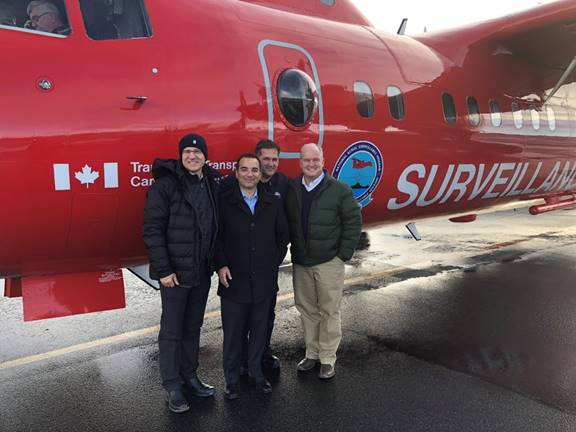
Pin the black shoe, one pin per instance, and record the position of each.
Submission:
(327, 371)
(231, 392)
(198, 388)
(177, 403)
(263, 386)
(306, 364)
(270, 362)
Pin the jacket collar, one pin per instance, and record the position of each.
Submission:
(236, 198)
(296, 182)
(165, 167)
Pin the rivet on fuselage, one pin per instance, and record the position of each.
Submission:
(45, 85)
(154, 70)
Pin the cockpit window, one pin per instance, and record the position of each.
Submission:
(46, 16)
(115, 19)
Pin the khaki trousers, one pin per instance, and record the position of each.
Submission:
(318, 295)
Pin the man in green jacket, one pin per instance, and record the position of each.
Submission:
(325, 225)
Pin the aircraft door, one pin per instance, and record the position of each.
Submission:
(293, 96)
(110, 85)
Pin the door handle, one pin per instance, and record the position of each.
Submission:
(138, 99)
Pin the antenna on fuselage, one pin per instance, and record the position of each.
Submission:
(402, 28)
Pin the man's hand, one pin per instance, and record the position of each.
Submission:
(170, 281)
(224, 276)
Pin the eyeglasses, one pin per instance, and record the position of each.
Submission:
(36, 18)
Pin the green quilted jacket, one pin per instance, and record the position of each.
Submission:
(334, 224)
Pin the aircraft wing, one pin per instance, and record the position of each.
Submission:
(544, 37)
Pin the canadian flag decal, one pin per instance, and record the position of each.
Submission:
(87, 175)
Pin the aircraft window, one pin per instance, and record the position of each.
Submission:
(115, 19)
(47, 16)
(396, 102)
(473, 111)
(535, 115)
(495, 113)
(364, 99)
(551, 118)
(328, 2)
(517, 114)
(297, 96)
(449, 108)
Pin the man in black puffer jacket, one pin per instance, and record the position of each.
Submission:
(180, 229)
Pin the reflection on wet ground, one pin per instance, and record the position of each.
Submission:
(507, 316)
(494, 299)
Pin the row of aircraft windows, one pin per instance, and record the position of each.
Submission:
(474, 117)
(365, 107)
(103, 19)
(365, 100)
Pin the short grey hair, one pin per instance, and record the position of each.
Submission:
(48, 7)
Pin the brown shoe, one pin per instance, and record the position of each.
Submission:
(326, 371)
(306, 364)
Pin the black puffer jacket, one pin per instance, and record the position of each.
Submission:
(171, 227)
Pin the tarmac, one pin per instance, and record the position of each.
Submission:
(470, 329)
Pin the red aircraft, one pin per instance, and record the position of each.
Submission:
(450, 123)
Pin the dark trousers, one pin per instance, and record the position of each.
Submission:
(238, 319)
(179, 338)
(267, 349)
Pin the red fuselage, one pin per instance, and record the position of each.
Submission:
(75, 160)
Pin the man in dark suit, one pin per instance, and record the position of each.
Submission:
(275, 183)
(252, 242)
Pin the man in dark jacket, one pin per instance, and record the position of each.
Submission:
(275, 183)
(325, 225)
(180, 229)
(252, 240)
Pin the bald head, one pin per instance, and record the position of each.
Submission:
(311, 148)
(311, 161)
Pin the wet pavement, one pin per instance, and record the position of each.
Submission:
(470, 329)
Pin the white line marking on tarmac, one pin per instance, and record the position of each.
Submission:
(151, 330)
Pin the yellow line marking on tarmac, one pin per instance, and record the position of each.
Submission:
(151, 330)
(76, 348)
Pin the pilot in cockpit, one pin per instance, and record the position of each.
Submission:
(45, 16)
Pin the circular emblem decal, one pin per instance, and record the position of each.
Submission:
(360, 166)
